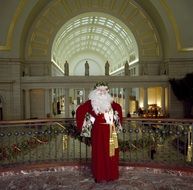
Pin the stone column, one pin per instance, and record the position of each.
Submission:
(113, 92)
(126, 93)
(163, 99)
(145, 99)
(27, 104)
(86, 93)
(66, 103)
(47, 102)
(117, 94)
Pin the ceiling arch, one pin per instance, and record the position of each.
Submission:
(99, 33)
(56, 14)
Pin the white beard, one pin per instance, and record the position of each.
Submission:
(100, 103)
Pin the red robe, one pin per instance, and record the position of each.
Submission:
(104, 167)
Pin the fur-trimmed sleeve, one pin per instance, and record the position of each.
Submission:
(80, 114)
(117, 107)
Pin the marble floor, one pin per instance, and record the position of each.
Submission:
(75, 177)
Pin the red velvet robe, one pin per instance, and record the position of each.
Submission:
(104, 167)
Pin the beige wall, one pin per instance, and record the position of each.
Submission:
(31, 23)
(10, 90)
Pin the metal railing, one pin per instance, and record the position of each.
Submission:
(157, 141)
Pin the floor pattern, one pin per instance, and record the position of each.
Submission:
(80, 178)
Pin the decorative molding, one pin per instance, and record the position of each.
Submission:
(9, 40)
(180, 60)
(7, 81)
(39, 45)
(175, 28)
(10, 61)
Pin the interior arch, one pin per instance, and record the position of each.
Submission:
(98, 32)
(45, 29)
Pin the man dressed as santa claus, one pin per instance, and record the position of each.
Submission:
(100, 117)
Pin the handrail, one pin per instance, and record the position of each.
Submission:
(8, 122)
(143, 140)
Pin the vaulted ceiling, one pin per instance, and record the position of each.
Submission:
(95, 34)
(76, 31)
(113, 31)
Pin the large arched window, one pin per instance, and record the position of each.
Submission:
(96, 38)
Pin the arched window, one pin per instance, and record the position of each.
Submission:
(96, 37)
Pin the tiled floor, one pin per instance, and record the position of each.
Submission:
(58, 177)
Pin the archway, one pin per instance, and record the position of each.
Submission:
(56, 13)
(95, 37)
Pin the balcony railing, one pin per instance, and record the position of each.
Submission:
(167, 142)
